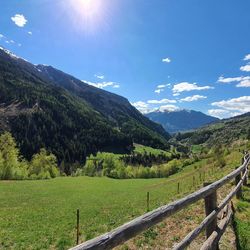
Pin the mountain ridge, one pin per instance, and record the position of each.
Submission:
(180, 120)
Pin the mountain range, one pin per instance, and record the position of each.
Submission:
(181, 120)
(45, 107)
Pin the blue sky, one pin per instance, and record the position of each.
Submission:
(160, 54)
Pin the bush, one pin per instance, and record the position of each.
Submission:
(43, 166)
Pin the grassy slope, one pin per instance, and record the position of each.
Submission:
(144, 149)
(242, 220)
(41, 214)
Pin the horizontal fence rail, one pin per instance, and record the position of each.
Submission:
(131, 229)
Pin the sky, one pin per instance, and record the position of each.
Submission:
(159, 54)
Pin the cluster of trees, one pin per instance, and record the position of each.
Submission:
(147, 159)
(111, 165)
(13, 166)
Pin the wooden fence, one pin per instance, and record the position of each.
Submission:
(214, 230)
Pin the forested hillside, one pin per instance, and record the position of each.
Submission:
(42, 114)
(115, 108)
(223, 132)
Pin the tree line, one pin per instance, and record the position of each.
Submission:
(114, 166)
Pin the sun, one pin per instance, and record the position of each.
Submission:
(89, 8)
(87, 14)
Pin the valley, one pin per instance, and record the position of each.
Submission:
(124, 125)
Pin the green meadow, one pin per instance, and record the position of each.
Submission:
(41, 214)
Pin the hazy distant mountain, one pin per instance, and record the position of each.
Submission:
(45, 107)
(181, 120)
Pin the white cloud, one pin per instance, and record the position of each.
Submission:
(193, 98)
(240, 104)
(19, 20)
(1, 36)
(100, 77)
(102, 85)
(176, 94)
(143, 107)
(158, 91)
(162, 101)
(247, 57)
(166, 60)
(162, 86)
(11, 41)
(149, 106)
(244, 81)
(30, 32)
(169, 108)
(19, 45)
(186, 86)
(233, 79)
(244, 84)
(245, 68)
(140, 104)
(220, 113)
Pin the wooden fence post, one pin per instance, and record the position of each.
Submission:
(246, 178)
(147, 201)
(77, 226)
(210, 205)
(237, 180)
(178, 189)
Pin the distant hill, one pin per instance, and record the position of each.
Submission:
(181, 120)
(223, 132)
(45, 107)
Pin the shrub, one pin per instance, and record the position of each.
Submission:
(43, 165)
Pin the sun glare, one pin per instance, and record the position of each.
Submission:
(89, 8)
(87, 13)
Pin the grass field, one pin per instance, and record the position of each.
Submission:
(42, 214)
